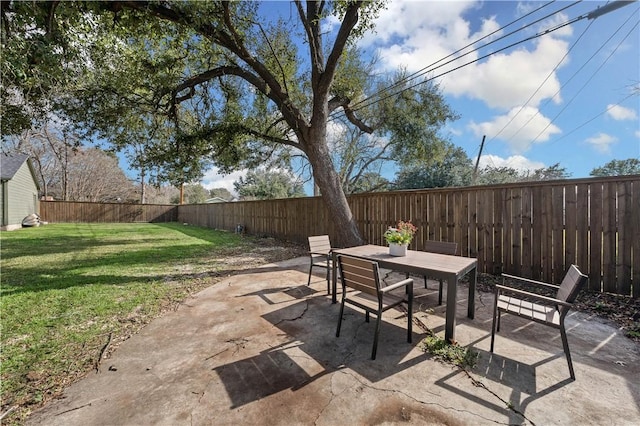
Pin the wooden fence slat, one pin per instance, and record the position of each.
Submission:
(527, 232)
(625, 237)
(570, 253)
(537, 236)
(635, 232)
(609, 237)
(558, 234)
(595, 237)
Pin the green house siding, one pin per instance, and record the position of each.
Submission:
(19, 197)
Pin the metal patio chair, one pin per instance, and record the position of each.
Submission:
(441, 247)
(320, 256)
(541, 309)
(363, 276)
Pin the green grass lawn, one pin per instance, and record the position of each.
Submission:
(68, 290)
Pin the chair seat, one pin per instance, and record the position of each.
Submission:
(534, 311)
(370, 302)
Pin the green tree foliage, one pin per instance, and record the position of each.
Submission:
(630, 166)
(495, 175)
(263, 184)
(223, 193)
(406, 132)
(193, 194)
(454, 169)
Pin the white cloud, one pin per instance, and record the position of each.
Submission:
(214, 179)
(432, 30)
(620, 113)
(517, 162)
(637, 133)
(602, 142)
(521, 129)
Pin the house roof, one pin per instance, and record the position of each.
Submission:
(10, 164)
(216, 200)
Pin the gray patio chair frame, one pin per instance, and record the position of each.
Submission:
(541, 309)
(364, 277)
(320, 256)
(441, 247)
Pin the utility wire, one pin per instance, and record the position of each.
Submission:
(595, 116)
(370, 100)
(428, 68)
(540, 87)
(540, 34)
(589, 79)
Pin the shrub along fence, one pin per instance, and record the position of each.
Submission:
(536, 230)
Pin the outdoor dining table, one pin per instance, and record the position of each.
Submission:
(433, 265)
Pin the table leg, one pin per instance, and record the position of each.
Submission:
(450, 321)
(334, 278)
(472, 294)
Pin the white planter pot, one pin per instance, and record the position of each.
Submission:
(398, 249)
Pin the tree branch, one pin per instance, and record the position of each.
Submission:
(348, 23)
(234, 43)
(343, 101)
(266, 39)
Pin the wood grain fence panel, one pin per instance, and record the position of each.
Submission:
(451, 218)
(526, 218)
(547, 234)
(473, 224)
(516, 231)
(623, 265)
(431, 213)
(482, 209)
(464, 221)
(635, 232)
(456, 222)
(571, 218)
(595, 237)
(498, 222)
(442, 231)
(558, 233)
(538, 228)
(609, 232)
(488, 228)
(507, 231)
(582, 220)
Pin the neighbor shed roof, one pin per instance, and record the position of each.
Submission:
(10, 164)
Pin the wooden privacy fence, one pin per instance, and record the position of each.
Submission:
(86, 212)
(536, 230)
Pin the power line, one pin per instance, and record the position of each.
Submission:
(370, 100)
(427, 69)
(540, 87)
(589, 79)
(594, 117)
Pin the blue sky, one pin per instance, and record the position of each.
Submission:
(565, 97)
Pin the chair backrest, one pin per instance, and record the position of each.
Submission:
(440, 247)
(359, 274)
(320, 244)
(571, 285)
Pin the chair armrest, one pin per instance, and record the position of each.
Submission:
(399, 284)
(319, 253)
(527, 280)
(539, 297)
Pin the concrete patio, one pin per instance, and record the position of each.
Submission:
(260, 348)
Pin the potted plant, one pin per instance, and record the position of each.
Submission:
(399, 238)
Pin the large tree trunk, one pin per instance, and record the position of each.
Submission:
(333, 196)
